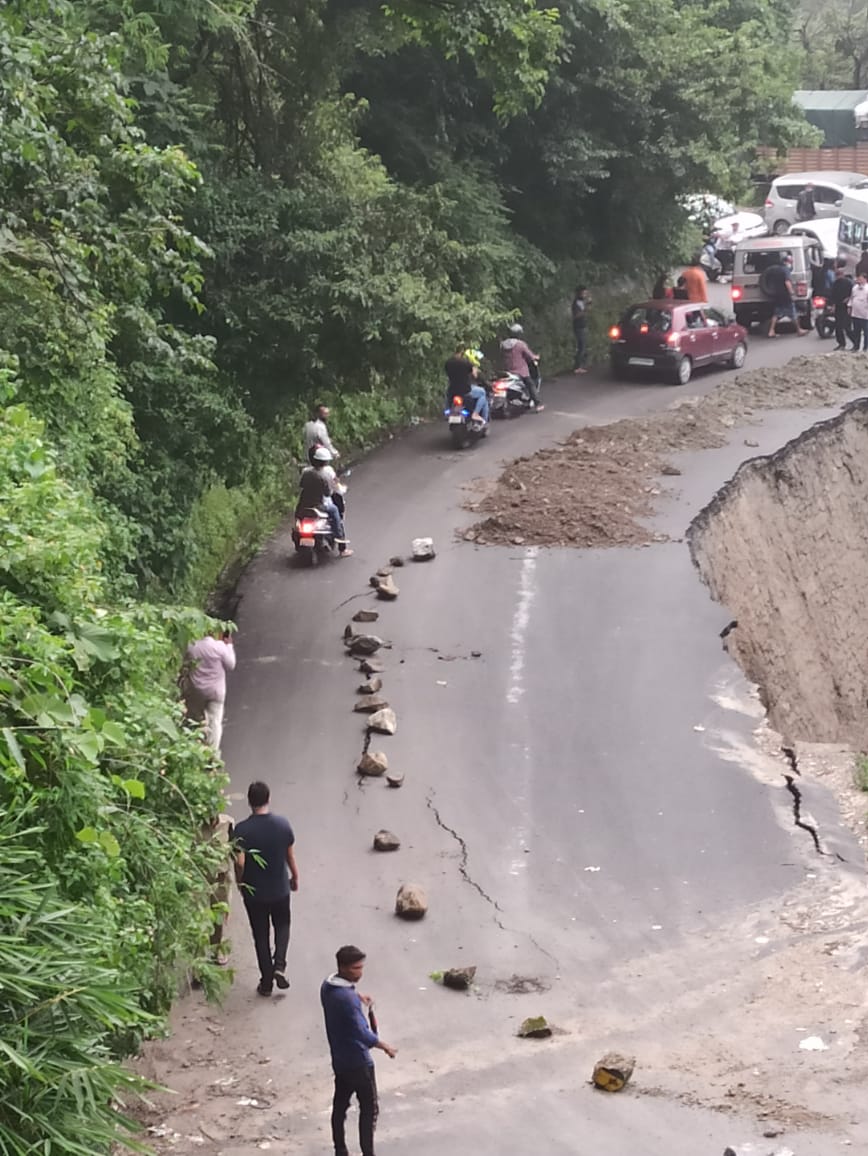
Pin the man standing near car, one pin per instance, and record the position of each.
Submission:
(805, 207)
(351, 1028)
(839, 296)
(779, 286)
(266, 872)
(695, 282)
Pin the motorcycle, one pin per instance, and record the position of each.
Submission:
(509, 396)
(464, 429)
(824, 316)
(312, 534)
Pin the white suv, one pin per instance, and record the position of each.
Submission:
(829, 189)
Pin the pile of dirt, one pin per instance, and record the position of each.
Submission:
(595, 488)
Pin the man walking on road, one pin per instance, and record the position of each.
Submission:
(266, 872)
(204, 683)
(352, 1034)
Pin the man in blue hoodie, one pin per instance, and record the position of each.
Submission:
(351, 1035)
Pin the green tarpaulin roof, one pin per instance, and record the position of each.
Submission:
(831, 110)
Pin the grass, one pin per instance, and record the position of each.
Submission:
(860, 772)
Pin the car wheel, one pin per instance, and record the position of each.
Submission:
(780, 227)
(824, 328)
(736, 359)
(683, 371)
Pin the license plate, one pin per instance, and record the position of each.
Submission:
(307, 542)
(456, 419)
(640, 361)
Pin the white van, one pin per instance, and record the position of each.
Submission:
(853, 226)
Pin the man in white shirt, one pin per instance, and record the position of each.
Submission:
(726, 246)
(316, 433)
(204, 683)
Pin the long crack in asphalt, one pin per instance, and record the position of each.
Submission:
(468, 879)
(794, 789)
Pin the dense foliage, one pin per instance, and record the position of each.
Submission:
(833, 37)
(215, 212)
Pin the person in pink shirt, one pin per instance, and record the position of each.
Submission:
(518, 358)
(204, 683)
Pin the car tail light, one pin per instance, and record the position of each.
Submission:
(801, 288)
(736, 293)
(673, 338)
(643, 328)
(615, 332)
(819, 302)
(769, 203)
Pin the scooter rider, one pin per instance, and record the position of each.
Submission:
(316, 432)
(317, 485)
(462, 371)
(518, 358)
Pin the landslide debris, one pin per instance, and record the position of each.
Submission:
(595, 488)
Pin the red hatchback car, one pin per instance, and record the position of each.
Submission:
(674, 338)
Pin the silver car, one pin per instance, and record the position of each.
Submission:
(829, 188)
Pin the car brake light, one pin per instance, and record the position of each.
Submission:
(614, 333)
(673, 338)
(819, 303)
(736, 293)
(643, 328)
(769, 203)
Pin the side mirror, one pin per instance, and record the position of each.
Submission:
(838, 204)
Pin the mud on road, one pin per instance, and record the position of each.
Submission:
(595, 489)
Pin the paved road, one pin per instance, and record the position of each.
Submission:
(563, 806)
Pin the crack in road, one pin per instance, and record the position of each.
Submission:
(466, 876)
(793, 787)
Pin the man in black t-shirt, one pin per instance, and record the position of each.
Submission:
(266, 872)
(839, 295)
(778, 284)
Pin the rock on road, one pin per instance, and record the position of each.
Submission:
(578, 804)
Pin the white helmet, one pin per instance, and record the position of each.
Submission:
(516, 329)
(321, 454)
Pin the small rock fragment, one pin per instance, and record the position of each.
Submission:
(384, 572)
(518, 541)
(371, 666)
(371, 686)
(370, 704)
(383, 722)
(395, 778)
(374, 581)
(365, 616)
(613, 1071)
(348, 632)
(373, 764)
(411, 901)
(396, 561)
(387, 589)
(476, 654)
(459, 978)
(535, 1028)
(423, 549)
(753, 445)
(386, 841)
(364, 644)
(671, 471)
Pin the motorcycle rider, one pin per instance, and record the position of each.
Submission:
(317, 485)
(518, 358)
(462, 372)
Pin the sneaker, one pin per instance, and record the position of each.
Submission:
(280, 979)
(263, 988)
(540, 408)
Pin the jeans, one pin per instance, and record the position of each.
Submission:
(362, 1083)
(581, 334)
(842, 325)
(263, 914)
(334, 516)
(860, 332)
(481, 398)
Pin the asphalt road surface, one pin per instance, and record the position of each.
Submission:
(563, 807)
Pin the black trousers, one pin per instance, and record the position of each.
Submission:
(843, 329)
(361, 1083)
(263, 915)
(580, 333)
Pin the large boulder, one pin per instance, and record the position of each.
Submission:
(370, 704)
(373, 764)
(613, 1071)
(365, 644)
(411, 901)
(386, 841)
(383, 722)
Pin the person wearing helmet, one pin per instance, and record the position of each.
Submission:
(317, 485)
(462, 373)
(518, 358)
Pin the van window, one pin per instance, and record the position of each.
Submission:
(756, 261)
(851, 231)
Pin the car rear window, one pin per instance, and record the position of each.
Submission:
(757, 260)
(658, 320)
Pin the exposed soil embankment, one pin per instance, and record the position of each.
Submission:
(784, 546)
(595, 488)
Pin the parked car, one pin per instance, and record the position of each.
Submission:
(672, 338)
(750, 224)
(750, 297)
(823, 230)
(829, 189)
(853, 226)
